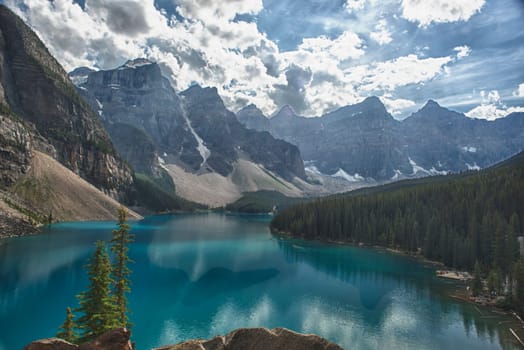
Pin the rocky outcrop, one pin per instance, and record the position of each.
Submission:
(15, 150)
(51, 344)
(240, 339)
(35, 87)
(117, 339)
(258, 339)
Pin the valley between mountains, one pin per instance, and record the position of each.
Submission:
(134, 139)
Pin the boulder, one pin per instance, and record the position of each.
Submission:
(51, 344)
(258, 339)
(116, 339)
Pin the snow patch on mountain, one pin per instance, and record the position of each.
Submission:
(78, 80)
(100, 107)
(351, 178)
(397, 175)
(473, 167)
(311, 168)
(202, 149)
(469, 149)
(418, 169)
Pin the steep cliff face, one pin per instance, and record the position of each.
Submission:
(37, 89)
(15, 150)
(136, 94)
(227, 138)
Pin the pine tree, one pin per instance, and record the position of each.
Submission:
(476, 286)
(120, 269)
(519, 293)
(67, 329)
(97, 305)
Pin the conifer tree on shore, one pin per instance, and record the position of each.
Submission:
(97, 304)
(120, 270)
(103, 306)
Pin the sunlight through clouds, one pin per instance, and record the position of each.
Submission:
(374, 48)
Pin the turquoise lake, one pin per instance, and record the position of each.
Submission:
(200, 275)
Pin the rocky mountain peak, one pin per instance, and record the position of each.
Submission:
(253, 118)
(431, 106)
(373, 106)
(208, 96)
(372, 101)
(251, 108)
(285, 112)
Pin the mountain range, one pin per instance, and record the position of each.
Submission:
(363, 141)
(211, 156)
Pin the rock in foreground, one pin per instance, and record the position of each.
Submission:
(116, 339)
(258, 339)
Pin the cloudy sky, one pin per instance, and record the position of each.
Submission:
(315, 55)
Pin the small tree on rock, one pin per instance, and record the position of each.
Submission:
(67, 329)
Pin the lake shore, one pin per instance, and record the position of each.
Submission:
(457, 290)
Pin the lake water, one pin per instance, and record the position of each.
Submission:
(202, 275)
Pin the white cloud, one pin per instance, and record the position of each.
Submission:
(492, 107)
(348, 45)
(396, 106)
(354, 5)
(520, 91)
(439, 11)
(410, 69)
(382, 35)
(462, 51)
(209, 11)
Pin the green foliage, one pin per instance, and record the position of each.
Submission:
(518, 273)
(150, 194)
(494, 281)
(97, 304)
(33, 216)
(457, 221)
(5, 109)
(120, 269)
(103, 306)
(67, 329)
(476, 284)
(262, 202)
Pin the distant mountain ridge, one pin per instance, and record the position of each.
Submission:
(364, 140)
